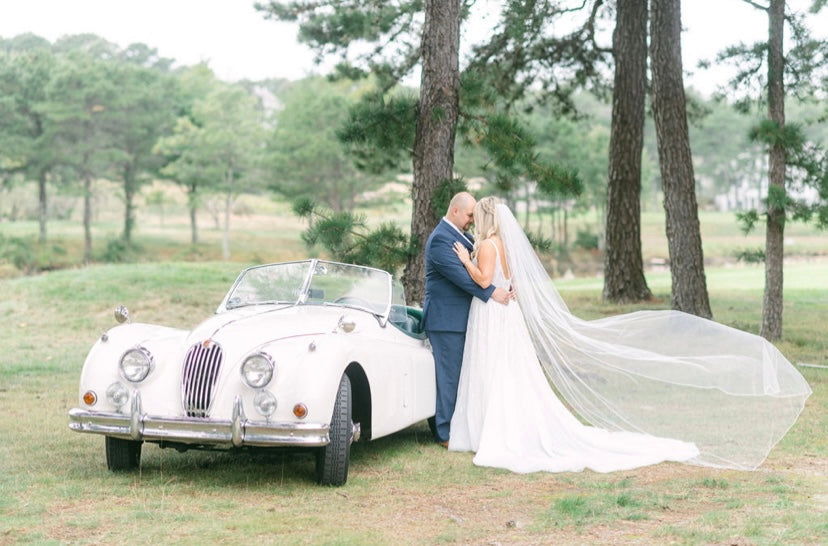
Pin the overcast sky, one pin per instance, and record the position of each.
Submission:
(236, 41)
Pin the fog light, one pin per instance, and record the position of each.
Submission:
(89, 398)
(265, 403)
(117, 394)
(300, 411)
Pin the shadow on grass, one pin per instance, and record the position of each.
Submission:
(290, 467)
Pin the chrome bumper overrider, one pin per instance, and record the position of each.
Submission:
(237, 432)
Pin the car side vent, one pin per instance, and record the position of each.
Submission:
(201, 370)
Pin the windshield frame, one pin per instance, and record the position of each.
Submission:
(303, 295)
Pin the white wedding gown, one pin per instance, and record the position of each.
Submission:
(644, 380)
(509, 415)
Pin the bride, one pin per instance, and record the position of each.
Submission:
(653, 386)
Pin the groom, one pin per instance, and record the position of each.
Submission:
(448, 293)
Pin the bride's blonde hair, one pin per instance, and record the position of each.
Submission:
(485, 220)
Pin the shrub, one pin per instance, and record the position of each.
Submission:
(118, 251)
(586, 240)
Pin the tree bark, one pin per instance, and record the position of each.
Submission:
(193, 228)
(228, 202)
(433, 161)
(129, 203)
(87, 218)
(689, 285)
(43, 209)
(772, 303)
(624, 279)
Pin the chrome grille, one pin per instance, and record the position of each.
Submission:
(201, 370)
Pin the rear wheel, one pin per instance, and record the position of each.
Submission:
(432, 426)
(122, 454)
(332, 460)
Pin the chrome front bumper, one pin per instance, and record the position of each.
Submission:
(237, 432)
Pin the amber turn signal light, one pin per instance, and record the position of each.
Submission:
(89, 398)
(300, 411)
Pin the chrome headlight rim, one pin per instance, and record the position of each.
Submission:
(258, 378)
(144, 368)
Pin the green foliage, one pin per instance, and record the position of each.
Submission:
(512, 149)
(777, 198)
(28, 256)
(750, 255)
(526, 51)
(348, 239)
(379, 131)
(747, 220)
(333, 27)
(807, 167)
(118, 250)
(305, 155)
(586, 240)
(539, 242)
(443, 193)
(771, 134)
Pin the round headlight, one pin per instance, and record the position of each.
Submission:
(257, 370)
(135, 364)
(265, 403)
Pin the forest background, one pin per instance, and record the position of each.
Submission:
(83, 109)
(294, 152)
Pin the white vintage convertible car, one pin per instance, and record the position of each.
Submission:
(309, 354)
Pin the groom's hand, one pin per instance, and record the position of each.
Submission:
(502, 296)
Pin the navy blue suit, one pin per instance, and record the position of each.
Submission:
(449, 290)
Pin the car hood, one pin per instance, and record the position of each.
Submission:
(255, 325)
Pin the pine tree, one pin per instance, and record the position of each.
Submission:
(792, 161)
(624, 279)
(689, 285)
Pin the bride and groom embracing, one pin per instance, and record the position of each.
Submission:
(649, 386)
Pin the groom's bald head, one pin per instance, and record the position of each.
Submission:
(461, 210)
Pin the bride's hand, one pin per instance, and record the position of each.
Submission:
(462, 253)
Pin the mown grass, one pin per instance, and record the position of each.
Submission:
(54, 486)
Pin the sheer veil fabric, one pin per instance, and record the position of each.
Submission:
(663, 373)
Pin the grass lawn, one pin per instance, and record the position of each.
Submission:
(54, 486)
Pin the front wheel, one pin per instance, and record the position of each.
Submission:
(332, 460)
(122, 454)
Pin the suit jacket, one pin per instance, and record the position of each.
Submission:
(449, 288)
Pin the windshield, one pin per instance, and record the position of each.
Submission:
(313, 282)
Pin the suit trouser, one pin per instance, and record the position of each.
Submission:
(447, 348)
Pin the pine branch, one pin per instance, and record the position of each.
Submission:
(756, 5)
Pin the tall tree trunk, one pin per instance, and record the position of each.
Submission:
(771, 328)
(433, 161)
(87, 218)
(43, 209)
(225, 239)
(669, 110)
(129, 206)
(193, 227)
(624, 279)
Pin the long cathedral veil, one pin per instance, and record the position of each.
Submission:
(664, 373)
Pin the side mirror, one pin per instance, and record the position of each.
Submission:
(121, 314)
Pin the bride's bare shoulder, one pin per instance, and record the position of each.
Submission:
(498, 242)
